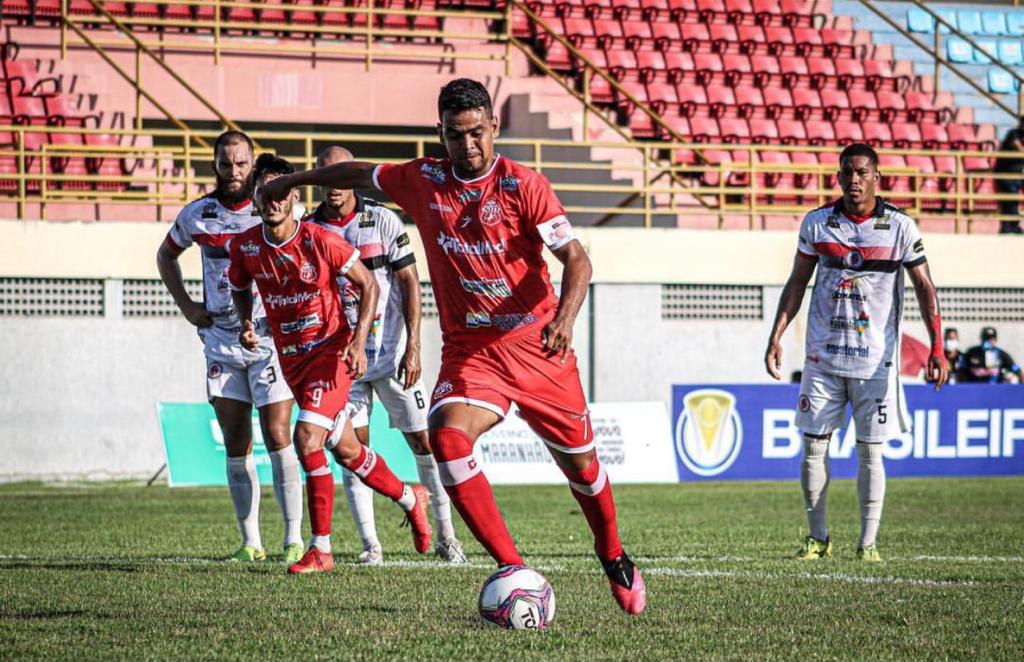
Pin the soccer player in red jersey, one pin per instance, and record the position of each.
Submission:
(295, 267)
(484, 221)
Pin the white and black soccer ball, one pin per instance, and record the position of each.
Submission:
(517, 598)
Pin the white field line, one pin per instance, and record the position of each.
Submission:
(830, 576)
(752, 559)
(421, 565)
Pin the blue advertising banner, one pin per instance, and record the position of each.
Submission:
(747, 432)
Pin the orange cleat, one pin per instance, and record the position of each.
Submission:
(628, 587)
(313, 561)
(417, 519)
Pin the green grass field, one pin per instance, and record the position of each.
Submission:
(124, 571)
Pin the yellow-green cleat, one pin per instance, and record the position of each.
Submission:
(869, 553)
(814, 549)
(247, 554)
(293, 553)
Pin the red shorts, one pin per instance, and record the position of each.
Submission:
(547, 392)
(320, 384)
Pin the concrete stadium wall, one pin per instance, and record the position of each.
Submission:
(78, 394)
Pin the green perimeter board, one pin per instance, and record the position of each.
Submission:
(196, 454)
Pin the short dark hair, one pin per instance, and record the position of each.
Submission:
(859, 149)
(231, 137)
(271, 164)
(463, 94)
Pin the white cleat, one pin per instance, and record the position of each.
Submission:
(372, 556)
(450, 551)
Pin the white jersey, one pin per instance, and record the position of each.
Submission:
(211, 224)
(857, 303)
(384, 247)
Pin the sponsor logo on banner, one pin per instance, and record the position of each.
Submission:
(709, 433)
(963, 430)
(632, 441)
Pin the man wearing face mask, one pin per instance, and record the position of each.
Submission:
(954, 357)
(988, 363)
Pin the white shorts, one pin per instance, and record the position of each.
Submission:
(879, 406)
(407, 409)
(235, 373)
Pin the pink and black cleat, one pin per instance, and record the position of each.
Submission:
(627, 585)
(418, 520)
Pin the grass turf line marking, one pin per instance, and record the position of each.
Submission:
(831, 576)
(751, 559)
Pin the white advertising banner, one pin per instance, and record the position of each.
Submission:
(633, 440)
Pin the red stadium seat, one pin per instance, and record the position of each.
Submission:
(877, 133)
(720, 98)
(906, 135)
(778, 100)
(791, 132)
(651, 64)
(693, 36)
(806, 102)
(820, 132)
(765, 69)
(723, 36)
(764, 131)
(748, 101)
(690, 97)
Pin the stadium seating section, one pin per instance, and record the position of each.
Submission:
(999, 33)
(31, 100)
(769, 72)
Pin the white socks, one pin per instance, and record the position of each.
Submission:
(440, 505)
(870, 491)
(244, 485)
(323, 543)
(814, 476)
(288, 489)
(360, 502)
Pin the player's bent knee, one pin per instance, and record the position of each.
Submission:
(309, 438)
(419, 442)
(453, 450)
(574, 461)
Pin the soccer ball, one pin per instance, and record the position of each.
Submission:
(517, 598)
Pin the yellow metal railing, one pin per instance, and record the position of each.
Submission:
(160, 170)
(364, 39)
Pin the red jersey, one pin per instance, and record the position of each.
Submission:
(297, 281)
(483, 240)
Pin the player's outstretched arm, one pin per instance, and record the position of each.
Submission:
(575, 281)
(928, 302)
(344, 175)
(170, 273)
(355, 352)
(789, 306)
(412, 309)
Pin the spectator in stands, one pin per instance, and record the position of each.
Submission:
(1006, 165)
(954, 357)
(987, 363)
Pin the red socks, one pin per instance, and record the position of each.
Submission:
(471, 493)
(372, 470)
(593, 492)
(319, 491)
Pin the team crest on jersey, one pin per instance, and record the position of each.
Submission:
(805, 403)
(250, 248)
(307, 273)
(209, 210)
(509, 183)
(434, 173)
(366, 220)
(490, 213)
(854, 259)
(443, 389)
(215, 371)
(470, 195)
(709, 433)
